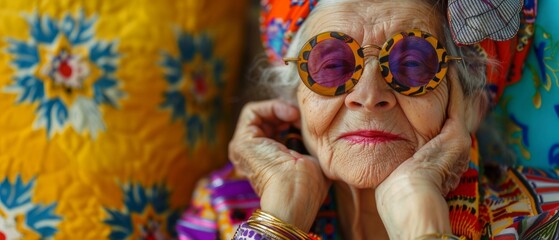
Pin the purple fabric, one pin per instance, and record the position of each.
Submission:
(245, 232)
(188, 230)
(232, 193)
(231, 188)
(228, 195)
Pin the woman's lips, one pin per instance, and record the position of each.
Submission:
(370, 137)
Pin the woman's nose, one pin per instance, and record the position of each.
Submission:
(371, 93)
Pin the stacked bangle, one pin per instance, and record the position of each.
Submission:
(440, 236)
(264, 226)
(271, 227)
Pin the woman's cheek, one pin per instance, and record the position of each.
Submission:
(426, 115)
(318, 113)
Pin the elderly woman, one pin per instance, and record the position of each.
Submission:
(386, 104)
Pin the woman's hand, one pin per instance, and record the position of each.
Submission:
(291, 186)
(411, 200)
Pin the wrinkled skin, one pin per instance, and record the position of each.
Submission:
(403, 175)
(372, 105)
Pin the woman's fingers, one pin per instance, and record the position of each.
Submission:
(445, 157)
(253, 142)
(267, 114)
(283, 178)
(432, 172)
(455, 133)
(456, 104)
(448, 153)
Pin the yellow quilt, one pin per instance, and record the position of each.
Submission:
(110, 110)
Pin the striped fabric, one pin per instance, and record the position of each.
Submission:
(471, 21)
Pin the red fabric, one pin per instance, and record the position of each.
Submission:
(510, 54)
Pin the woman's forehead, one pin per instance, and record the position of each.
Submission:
(384, 18)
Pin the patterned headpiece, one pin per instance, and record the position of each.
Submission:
(280, 20)
(490, 24)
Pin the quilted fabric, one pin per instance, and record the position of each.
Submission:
(528, 110)
(110, 111)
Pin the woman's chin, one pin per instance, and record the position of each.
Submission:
(366, 178)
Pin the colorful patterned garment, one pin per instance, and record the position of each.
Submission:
(522, 203)
(492, 201)
(279, 21)
(223, 201)
(110, 111)
(527, 112)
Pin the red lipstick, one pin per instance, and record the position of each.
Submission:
(370, 137)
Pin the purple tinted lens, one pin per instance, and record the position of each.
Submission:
(413, 61)
(331, 63)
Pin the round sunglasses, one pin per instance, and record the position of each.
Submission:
(411, 62)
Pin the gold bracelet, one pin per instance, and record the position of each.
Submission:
(265, 230)
(290, 228)
(441, 236)
(276, 226)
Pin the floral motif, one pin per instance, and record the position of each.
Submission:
(19, 217)
(66, 71)
(146, 215)
(275, 35)
(553, 155)
(195, 86)
(545, 73)
(519, 135)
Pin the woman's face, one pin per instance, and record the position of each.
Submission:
(362, 136)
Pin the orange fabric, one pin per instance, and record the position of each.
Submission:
(280, 20)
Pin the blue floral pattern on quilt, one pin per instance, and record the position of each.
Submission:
(146, 214)
(64, 68)
(22, 219)
(195, 86)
